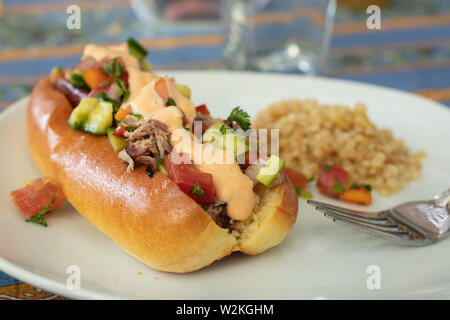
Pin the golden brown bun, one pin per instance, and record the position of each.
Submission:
(151, 219)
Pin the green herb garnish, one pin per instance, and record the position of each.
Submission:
(78, 82)
(326, 168)
(196, 190)
(311, 178)
(113, 69)
(368, 187)
(240, 117)
(105, 84)
(38, 218)
(298, 190)
(354, 186)
(223, 129)
(338, 188)
(307, 195)
(170, 102)
(136, 49)
(124, 92)
(145, 65)
(103, 96)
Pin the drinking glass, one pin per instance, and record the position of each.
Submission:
(278, 35)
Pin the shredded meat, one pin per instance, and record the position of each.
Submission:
(149, 142)
(205, 118)
(125, 157)
(218, 212)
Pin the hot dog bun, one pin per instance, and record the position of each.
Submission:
(151, 219)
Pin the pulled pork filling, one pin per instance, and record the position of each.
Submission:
(149, 142)
(218, 212)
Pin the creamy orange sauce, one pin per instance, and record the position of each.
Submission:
(99, 52)
(231, 185)
(148, 101)
(137, 79)
(170, 116)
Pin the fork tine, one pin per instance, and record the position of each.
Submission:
(383, 222)
(372, 230)
(392, 228)
(373, 216)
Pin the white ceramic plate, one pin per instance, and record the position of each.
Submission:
(318, 259)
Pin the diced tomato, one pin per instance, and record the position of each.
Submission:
(297, 179)
(186, 177)
(161, 89)
(328, 178)
(32, 198)
(95, 77)
(202, 109)
(104, 85)
(101, 88)
(120, 132)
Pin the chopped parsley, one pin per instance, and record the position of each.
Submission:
(78, 82)
(124, 92)
(307, 195)
(240, 117)
(105, 84)
(354, 186)
(113, 69)
(170, 102)
(338, 188)
(326, 168)
(368, 187)
(196, 190)
(311, 178)
(161, 167)
(39, 217)
(298, 190)
(223, 129)
(104, 97)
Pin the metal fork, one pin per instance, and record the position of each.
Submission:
(417, 223)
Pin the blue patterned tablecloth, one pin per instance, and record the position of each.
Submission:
(411, 52)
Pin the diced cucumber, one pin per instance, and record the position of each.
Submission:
(116, 142)
(92, 115)
(80, 114)
(220, 125)
(235, 143)
(146, 65)
(268, 173)
(215, 132)
(184, 89)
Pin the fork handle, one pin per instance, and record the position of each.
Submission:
(441, 200)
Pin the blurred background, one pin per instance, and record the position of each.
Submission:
(329, 38)
(411, 51)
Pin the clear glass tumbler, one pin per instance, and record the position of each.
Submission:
(278, 35)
